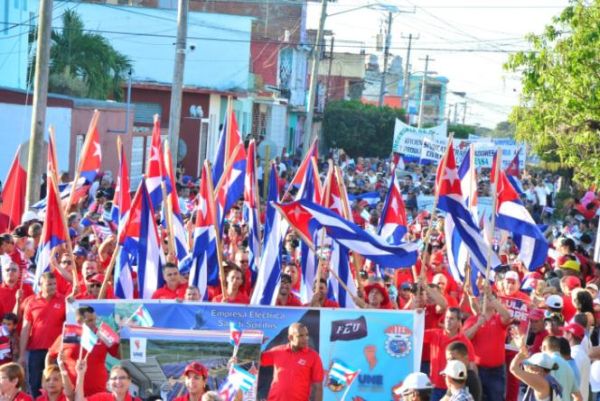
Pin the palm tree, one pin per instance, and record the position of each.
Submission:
(85, 64)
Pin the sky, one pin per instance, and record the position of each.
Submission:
(485, 30)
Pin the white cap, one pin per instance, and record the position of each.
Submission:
(414, 381)
(542, 360)
(512, 275)
(29, 216)
(455, 370)
(554, 301)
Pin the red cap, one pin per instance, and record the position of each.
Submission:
(536, 314)
(381, 289)
(572, 282)
(95, 278)
(197, 368)
(576, 329)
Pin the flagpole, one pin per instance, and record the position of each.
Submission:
(287, 190)
(86, 145)
(496, 174)
(168, 201)
(108, 272)
(348, 386)
(326, 198)
(211, 210)
(53, 181)
(434, 210)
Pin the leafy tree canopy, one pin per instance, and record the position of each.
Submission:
(559, 111)
(360, 129)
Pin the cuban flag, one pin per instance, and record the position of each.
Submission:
(392, 224)
(313, 152)
(179, 231)
(336, 200)
(139, 242)
(513, 217)
(122, 198)
(250, 211)
(229, 168)
(155, 170)
(307, 218)
(372, 198)
(235, 334)
(265, 289)
(513, 173)
(54, 230)
(458, 217)
(205, 263)
(341, 373)
(89, 339)
(310, 189)
(142, 317)
(90, 159)
(239, 379)
(13, 191)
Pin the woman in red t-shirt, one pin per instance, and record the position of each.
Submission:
(52, 385)
(195, 377)
(119, 381)
(12, 379)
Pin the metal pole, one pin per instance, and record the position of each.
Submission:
(128, 110)
(455, 113)
(423, 86)
(40, 99)
(407, 76)
(464, 112)
(177, 85)
(314, 72)
(329, 71)
(386, 54)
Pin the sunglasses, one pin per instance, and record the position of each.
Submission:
(95, 285)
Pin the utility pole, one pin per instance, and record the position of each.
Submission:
(423, 87)
(455, 112)
(329, 70)
(386, 54)
(177, 85)
(314, 79)
(40, 100)
(464, 112)
(407, 74)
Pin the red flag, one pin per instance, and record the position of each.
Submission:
(107, 335)
(71, 333)
(13, 193)
(90, 159)
(513, 167)
(313, 151)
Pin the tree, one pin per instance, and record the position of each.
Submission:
(360, 129)
(559, 110)
(85, 64)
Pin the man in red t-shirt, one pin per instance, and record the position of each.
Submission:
(96, 376)
(319, 298)
(173, 288)
(285, 296)
(437, 340)
(297, 369)
(43, 319)
(487, 332)
(10, 287)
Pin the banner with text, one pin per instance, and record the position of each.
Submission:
(380, 347)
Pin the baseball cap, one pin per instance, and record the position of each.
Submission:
(197, 368)
(592, 286)
(536, 314)
(576, 329)
(542, 360)
(95, 278)
(455, 370)
(415, 381)
(571, 265)
(79, 251)
(554, 301)
(572, 282)
(512, 275)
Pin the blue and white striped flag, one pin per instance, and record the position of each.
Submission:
(239, 379)
(341, 373)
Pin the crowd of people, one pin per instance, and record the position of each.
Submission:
(465, 354)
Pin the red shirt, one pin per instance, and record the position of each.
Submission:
(22, 396)
(569, 309)
(106, 396)
(165, 292)
(488, 341)
(44, 396)
(438, 340)
(432, 321)
(537, 342)
(96, 375)
(292, 300)
(8, 296)
(46, 318)
(240, 298)
(293, 372)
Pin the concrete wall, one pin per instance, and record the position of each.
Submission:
(14, 29)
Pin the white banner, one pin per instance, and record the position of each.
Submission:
(401, 130)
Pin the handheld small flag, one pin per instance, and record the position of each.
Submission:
(340, 373)
(4, 332)
(107, 335)
(5, 350)
(238, 379)
(235, 334)
(88, 338)
(71, 333)
(142, 317)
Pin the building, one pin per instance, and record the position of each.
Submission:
(393, 82)
(342, 76)
(434, 104)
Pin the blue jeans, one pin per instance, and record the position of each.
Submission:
(35, 367)
(438, 393)
(493, 383)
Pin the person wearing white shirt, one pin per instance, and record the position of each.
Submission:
(575, 333)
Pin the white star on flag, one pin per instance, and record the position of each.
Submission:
(394, 205)
(297, 211)
(451, 175)
(97, 149)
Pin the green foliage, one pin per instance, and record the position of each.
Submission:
(360, 129)
(462, 131)
(559, 111)
(85, 64)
